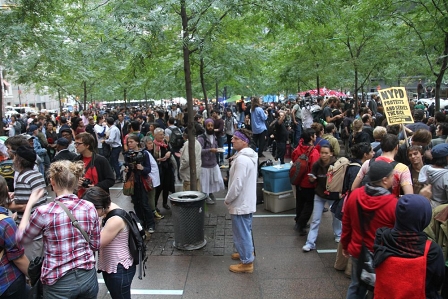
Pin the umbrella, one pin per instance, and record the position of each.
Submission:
(234, 98)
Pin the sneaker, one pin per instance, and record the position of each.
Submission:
(223, 166)
(150, 230)
(158, 216)
(337, 239)
(209, 201)
(307, 248)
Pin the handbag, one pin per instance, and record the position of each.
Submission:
(128, 186)
(34, 269)
(365, 271)
(147, 183)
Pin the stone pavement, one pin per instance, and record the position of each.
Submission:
(281, 269)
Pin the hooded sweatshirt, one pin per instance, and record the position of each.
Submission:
(372, 199)
(438, 178)
(241, 197)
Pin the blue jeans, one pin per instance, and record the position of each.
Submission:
(77, 283)
(319, 204)
(242, 237)
(119, 284)
(220, 156)
(113, 161)
(355, 291)
(17, 289)
(241, 118)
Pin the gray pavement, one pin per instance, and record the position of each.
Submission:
(281, 269)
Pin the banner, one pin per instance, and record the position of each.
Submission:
(396, 105)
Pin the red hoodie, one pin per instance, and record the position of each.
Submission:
(384, 208)
(314, 156)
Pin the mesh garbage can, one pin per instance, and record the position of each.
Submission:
(187, 208)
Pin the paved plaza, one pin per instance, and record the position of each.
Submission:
(281, 269)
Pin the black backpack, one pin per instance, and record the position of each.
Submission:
(137, 246)
(176, 138)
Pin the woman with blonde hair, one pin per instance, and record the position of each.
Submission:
(69, 261)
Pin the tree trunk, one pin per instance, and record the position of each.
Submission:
(85, 95)
(217, 90)
(60, 101)
(124, 99)
(355, 95)
(189, 94)
(204, 90)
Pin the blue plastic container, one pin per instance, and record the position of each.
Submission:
(276, 179)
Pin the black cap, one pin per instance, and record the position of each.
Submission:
(27, 153)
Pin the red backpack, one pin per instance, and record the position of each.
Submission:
(300, 168)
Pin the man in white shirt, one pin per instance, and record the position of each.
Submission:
(114, 141)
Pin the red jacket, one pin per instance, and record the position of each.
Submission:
(314, 156)
(384, 208)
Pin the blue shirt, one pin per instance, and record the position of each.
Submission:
(258, 120)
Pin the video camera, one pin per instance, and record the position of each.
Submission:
(133, 157)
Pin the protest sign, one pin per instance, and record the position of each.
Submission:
(396, 105)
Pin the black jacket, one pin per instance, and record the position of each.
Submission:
(106, 177)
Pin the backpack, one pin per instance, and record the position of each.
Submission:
(7, 172)
(336, 174)
(300, 167)
(137, 246)
(176, 138)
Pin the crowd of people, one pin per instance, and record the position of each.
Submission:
(393, 169)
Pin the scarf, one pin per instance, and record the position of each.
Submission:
(391, 242)
(160, 144)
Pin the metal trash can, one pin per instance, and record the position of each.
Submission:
(187, 209)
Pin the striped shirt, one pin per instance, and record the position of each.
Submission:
(64, 246)
(116, 252)
(26, 182)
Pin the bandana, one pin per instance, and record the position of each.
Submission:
(241, 136)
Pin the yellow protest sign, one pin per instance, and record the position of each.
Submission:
(396, 105)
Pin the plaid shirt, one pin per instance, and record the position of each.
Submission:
(65, 247)
(12, 251)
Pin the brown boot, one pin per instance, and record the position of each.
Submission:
(235, 256)
(242, 268)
